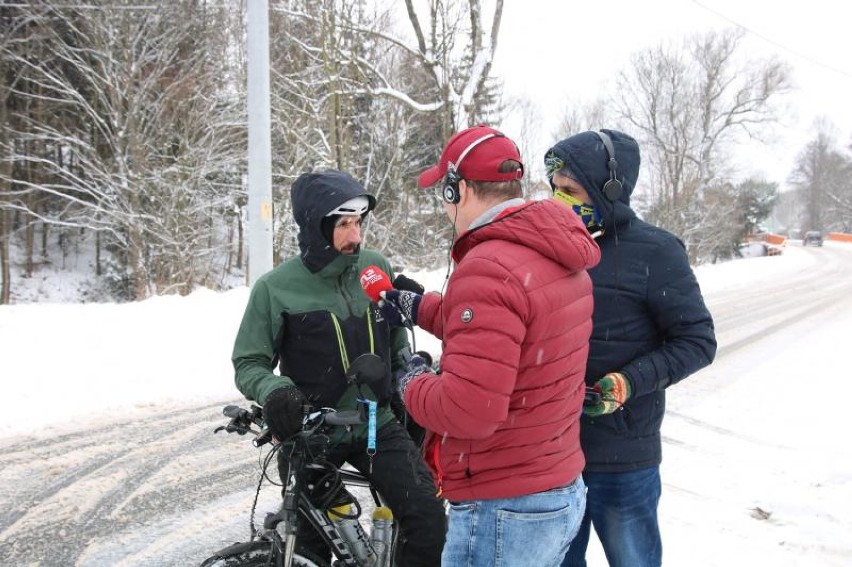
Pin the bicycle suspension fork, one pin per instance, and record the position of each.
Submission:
(290, 507)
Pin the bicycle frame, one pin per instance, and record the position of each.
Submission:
(280, 529)
(297, 507)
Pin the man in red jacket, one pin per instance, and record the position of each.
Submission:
(503, 414)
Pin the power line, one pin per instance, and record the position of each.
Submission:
(773, 42)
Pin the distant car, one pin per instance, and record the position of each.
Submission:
(812, 238)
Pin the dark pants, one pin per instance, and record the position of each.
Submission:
(401, 476)
(623, 509)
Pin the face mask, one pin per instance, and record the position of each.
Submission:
(587, 213)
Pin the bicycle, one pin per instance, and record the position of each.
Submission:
(323, 504)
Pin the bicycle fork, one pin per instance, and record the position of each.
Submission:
(289, 513)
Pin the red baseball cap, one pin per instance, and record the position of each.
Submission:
(476, 154)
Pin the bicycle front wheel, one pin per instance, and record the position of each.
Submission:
(257, 554)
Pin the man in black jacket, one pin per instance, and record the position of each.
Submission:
(651, 330)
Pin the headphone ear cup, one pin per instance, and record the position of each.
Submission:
(451, 194)
(451, 188)
(612, 189)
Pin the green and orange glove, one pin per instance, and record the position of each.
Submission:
(614, 389)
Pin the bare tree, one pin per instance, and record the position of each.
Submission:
(460, 81)
(580, 116)
(24, 35)
(453, 54)
(122, 125)
(739, 211)
(144, 153)
(688, 106)
(345, 94)
(10, 29)
(787, 213)
(822, 182)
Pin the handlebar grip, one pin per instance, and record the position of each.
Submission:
(347, 417)
(233, 411)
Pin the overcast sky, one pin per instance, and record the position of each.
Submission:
(555, 52)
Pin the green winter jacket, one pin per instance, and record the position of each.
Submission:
(312, 314)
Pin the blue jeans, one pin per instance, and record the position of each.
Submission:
(623, 509)
(533, 530)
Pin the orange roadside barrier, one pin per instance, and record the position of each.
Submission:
(775, 239)
(839, 237)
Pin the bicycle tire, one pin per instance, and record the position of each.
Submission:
(257, 554)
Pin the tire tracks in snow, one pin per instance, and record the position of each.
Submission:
(66, 492)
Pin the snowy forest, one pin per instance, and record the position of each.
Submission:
(123, 132)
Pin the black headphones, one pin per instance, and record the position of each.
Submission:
(451, 191)
(612, 189)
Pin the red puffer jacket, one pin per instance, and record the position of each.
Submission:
(515, 323)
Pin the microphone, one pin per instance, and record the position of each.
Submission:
(374, 280)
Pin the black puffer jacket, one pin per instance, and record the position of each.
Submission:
(650, 320)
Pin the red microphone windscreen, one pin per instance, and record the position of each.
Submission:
(374, 280)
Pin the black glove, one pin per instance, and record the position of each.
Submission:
(400, 307)
(283, 411)
(405, 283)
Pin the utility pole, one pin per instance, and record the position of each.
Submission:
(259, 141)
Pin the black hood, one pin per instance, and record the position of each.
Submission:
(313, 196)
(586, 157)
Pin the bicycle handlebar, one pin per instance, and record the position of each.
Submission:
(242, 421)
(366, 369)
(347, 417)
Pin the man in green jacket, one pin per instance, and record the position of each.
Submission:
(311, 315)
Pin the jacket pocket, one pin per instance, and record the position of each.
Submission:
(615, 422)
